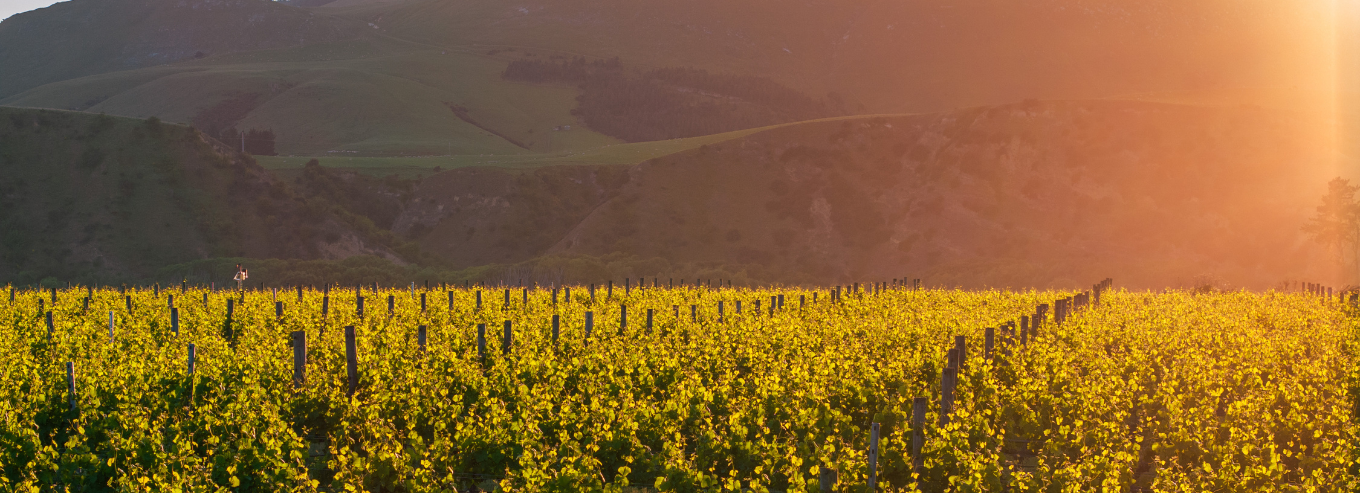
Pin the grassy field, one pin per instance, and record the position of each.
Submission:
(373, 97)
(608, 154)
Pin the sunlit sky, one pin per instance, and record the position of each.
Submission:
(11, 7)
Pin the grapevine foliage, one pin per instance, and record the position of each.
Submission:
(1143, 392)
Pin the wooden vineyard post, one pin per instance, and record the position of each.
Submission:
(720, 311)
(623, 318)
(988, 338)
(450, 294)
(71, 384)
(524, 294)
(609, 291)
(86, 307)
(391, 304)
(947, 380)
(566, 295)
(422, 302)
(174, 320)
(826, 479)
(507, 339)
(49, 327)
(590, 324)
(873, 457)
(650, 312)
(111, 325)
(299, 358)
(481, 343)
(359, 307)
(772, 303)
(694, 313)
(351, 361)
(918, 432)
(193, 356)
(556, 327)
(184, 286)
(299, 293)
(554, 296)
(802, 301)
(278, 310)
(422, 335)
(1024, 331)
(781, 301)
(505, 305)
(479, 300)
(325, 305)
(128, 300)
(961, 348)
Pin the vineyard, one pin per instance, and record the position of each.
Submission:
(881, 387)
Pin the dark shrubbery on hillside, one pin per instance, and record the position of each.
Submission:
(669, 103)
(219, 122)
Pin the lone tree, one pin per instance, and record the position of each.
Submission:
(1337, 223)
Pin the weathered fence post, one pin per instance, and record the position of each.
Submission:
(193, 356)
(590, 323)
(873, 457)
(556, 327)
(351, 361)
(650, 312)
(71, 384)
(299, 358)
(422, 335)
(947, 381)
(174, 320)
(507, 339)
(988, 337)
(481, 343)
(826, 479)
(918, 432)
(961, 346)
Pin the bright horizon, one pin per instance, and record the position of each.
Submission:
(10, 7)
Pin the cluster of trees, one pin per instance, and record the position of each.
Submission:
(1337, 223)
(219, 122)
(669, 103)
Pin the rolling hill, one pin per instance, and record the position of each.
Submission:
(425, 77)
(1030, 194)
(97, 198)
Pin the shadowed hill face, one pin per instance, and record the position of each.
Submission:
(83, 37)
(93, 197)
(1022, 195)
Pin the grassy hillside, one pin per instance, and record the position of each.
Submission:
(425, 77)
(363, 97)
(1017, 195)
(94, 197)
(83, 37)
(895, 56)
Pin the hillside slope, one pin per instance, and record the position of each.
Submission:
(425, 77)
(97, 198)
(1032, 194)
(85, 37)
